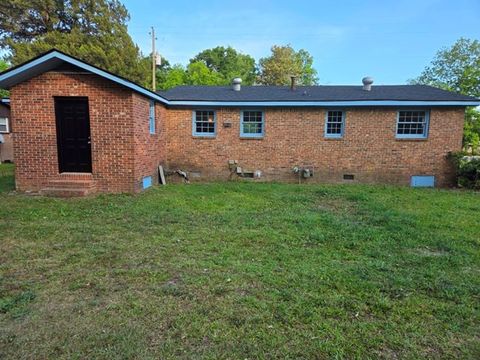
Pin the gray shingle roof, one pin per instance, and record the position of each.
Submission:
(312, 93)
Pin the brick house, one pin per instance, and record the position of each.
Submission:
(79, 129)
(6, 141)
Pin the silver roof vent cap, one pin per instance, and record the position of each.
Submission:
(237, 84)
(367, 83)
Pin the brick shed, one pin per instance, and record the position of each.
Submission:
(79, 129)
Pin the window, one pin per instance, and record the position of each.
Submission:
(4, 125)
(412, 124)
(334, 124)
(252, 124)
(204, 123)
(151, 118)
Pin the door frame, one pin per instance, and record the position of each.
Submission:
(59, 131)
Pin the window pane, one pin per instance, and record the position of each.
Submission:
(152, 117)
(204, 122)
(334, 123)
(412, 123)
(3, 124)
(252, 122)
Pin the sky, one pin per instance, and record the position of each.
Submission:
(392, 41)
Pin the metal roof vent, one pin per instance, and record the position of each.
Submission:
(237, 84)
(293, 83)
(367, 83)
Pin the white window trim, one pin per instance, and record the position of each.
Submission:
(194, 124)
(334, 136)
(414, 136)
(7, 126)
(245, 135)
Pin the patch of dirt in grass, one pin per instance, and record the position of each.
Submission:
(336, 205)
(428, 252)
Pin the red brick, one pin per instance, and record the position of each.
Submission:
(123, 150)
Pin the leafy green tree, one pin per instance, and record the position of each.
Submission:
(199, 74)
(94, 31)
(457, 68)
(174, 76)
(196, 73)
(285, 62)
(228, 63)
(3, 66)
(471, 131)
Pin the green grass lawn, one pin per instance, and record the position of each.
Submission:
(241, 271)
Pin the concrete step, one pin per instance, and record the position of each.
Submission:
(71, 184)
(66, 192)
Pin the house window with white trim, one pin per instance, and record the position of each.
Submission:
(151, 117)
(412, 124)
(4, 125)
(252, 124)
(204, 123)
(334, 124)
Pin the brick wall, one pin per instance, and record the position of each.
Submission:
(35, 145)
(123, 150)
(149, 148)
(368, 150)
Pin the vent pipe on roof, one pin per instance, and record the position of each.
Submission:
(237, 84)
(367, 83)
(292, 84)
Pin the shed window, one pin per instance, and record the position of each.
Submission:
(151, 119)
(252, 124)
(204, 123)
(334, 124)
(412, 124)
(4, 125)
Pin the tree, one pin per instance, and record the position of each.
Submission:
(174, 76)
(457, 68)
(196, 73)
(3, 67)
(94, 31)
(199, 74)
(228, 63)
(284, 63)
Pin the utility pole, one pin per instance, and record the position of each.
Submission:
(154, 60)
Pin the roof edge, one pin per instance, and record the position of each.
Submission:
(358, 103)
(54, 53)
(57, 54)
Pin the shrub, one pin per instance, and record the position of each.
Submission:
(467, 169)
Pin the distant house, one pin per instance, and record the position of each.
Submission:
(80, 129)
(6, 143)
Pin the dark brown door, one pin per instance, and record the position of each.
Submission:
(73, 134)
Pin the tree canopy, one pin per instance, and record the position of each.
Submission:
(457, 68)
(228, 63)
(196, 73)
(96, 32)
(92, 30)
(285, 62)
(3, 66)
